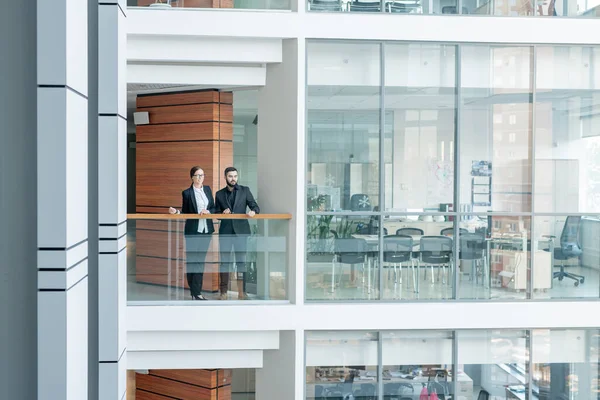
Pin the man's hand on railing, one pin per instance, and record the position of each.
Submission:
(251, 213)
(227, 211)
(173, 211)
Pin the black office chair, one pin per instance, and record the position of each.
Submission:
(370, 230)
(325, 5)
(450, 231)
(569, 248)
(398, 249)
(453, 9)
(360, 202)
(410, 232)
(483, 395)
(436, 251)
(365, 6)
(349, 251)
(472, 248)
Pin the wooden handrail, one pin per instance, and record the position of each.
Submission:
(208, 216)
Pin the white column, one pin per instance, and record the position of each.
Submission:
(281, 153)
(285, 363)
(62, 188)
(112, 201)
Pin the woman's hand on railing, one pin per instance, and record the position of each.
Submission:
(172, 210)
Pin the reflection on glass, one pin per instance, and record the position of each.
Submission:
(511, 8)
(342, 259)
(496, 129)
(162, 262)
(341, 365)
(418, 257)
(497, 361)
(419, 363)
(567, 140)
(419, 127)
(565, 364)
(343, 126)
(567, 8)
(566, 260)
(494, 255)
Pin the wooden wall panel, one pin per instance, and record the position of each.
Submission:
(193, 3)
(187, 113)
(179, 132)
(181, 98)
(184, 384)
(163, 170)
(167, 387)
(143, 395)
(186, 129)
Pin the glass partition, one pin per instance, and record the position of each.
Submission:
(419, 363)
(343, 126)
(570, 243)
(418, 257)
(342, 258)
(168, 260)
(490, 364)
(341, 365)
(497, 362)
(565, 364)
(496, 122)
(495, 137)
(495, 258)
(420, 86)
(498, 8)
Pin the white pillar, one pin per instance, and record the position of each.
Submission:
(281, 153)
(282, 374)
(62, 198)
(112, 201)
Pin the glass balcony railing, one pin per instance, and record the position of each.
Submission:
(168, 260)
(221, 4)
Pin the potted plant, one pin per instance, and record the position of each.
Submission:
(319, 241)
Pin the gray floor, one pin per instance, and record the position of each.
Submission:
(319, 286)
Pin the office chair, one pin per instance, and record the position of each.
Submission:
(325, 5)
(453, 10)
(436, 250)
(370, 230)
(398, 249)
(569, 248)
(364, 6)
(450, 231)
(360, 202)
(410, 232)
(472, 248)
(483, 395)
(349, 251)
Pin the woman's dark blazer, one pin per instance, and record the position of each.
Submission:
(189, 206)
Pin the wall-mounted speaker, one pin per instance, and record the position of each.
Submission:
(141, 118)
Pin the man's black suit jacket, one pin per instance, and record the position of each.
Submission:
(243, 199)
(189, 206)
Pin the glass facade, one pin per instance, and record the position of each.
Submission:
(511, 8)
(462, 365)
(441, 171)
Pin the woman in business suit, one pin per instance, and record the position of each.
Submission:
(197, 199)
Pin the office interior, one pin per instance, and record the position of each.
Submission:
(461, 365)
(498, 143)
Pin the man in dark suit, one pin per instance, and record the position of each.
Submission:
(233, 233)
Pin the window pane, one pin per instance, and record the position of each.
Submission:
(342, 257)
(495, 257)
(495, 141)
(418, 257)
(571, 245)
(420, 107)
(341, 365)
(420, 362)
(343, 126)
(565, 364)
(496, 361)
(508, 8)
(567, 136)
